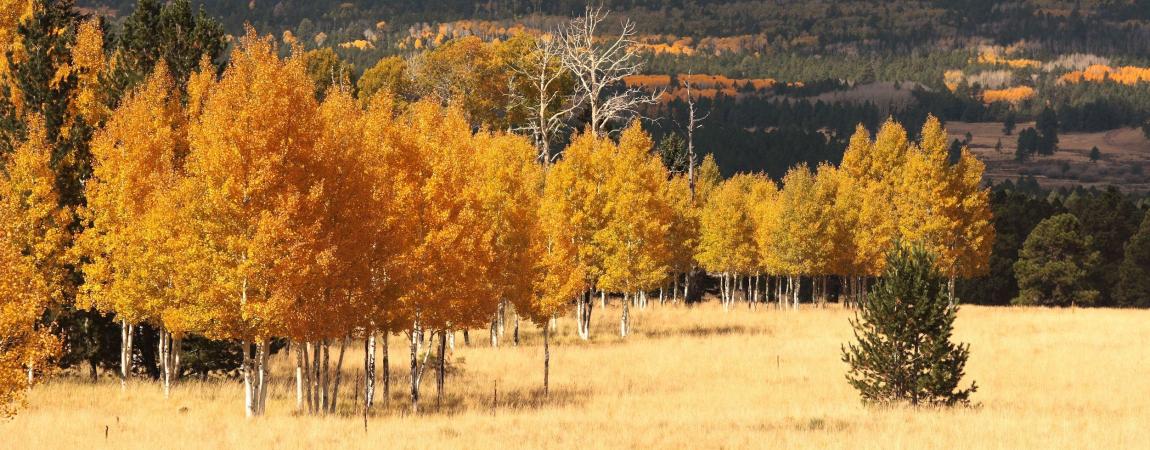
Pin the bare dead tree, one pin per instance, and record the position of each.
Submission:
(537, 88)
(599, 69)
(693, 123)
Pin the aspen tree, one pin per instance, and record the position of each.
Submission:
(251, 167)
(394, 188)
(574, 198)
(23, 344)
(726, 242)
(135, 160)
(943, 207)
(684, 230)
(634, 240)
(33, 239)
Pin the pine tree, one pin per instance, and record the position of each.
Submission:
(1134, 274)
(903, 331)
(1055, 263)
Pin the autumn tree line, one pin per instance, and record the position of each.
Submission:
(254, 202)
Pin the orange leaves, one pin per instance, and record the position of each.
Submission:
(253, 168)
(1099, 73)
(33, 233)
(614, 201)
(1014, 95)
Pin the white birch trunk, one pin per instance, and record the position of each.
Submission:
(249, 398)
(369, 371)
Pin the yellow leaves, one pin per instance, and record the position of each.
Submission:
(636, 252)
(613, 199)
(1099, 73)
(943, 206)
(388, 75)
(252, 168)
(726, 227)
(33, 234)
(31, 218)
(136, 160)
(23, 297)
(1014, 95)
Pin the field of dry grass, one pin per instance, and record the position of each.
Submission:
(688, 377)
(1125, 157)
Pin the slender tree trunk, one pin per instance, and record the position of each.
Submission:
(950, 290)
(338, 375)
(177, 355)
(515, 336)
(308, 378)
(623, 325)
(442, 372)
(495, 331)
(546, 360)
(369, 370)
(415, 369)
(262, 349)
(299, 364)
(466, 338)
(602, 303)
(249, 383)
(325, 400)
(126, 331)
(687, 286)
(386, 370)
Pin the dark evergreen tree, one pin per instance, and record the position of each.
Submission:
(1016, 213)
(1055, 263)
(1133, 288)
(1109, 218)
(672, 150)
(903, 331)
(168, 32)
(47, 85)
(1008, 124)
(1095, 154)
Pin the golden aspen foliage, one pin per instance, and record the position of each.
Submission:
(1014, 95)
(251, 167)
(33, 237)
(683, 234)
(467, 73)
(31, 218)
(707, 180)
(326, 267)
(943, 207)
(843, 217)
(451, 261)
(726, 232)
(511, 184)
(394, 188)
(88, 63)
(761, 205)
(136, 158)
(799, 237)
(200, 84)
(23, 298)
(574, 198)
(12, 12)
(636, 254)
(388, 75)
(874, 166)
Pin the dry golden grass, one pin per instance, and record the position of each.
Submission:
(688, 377)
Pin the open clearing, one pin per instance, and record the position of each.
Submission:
(1125, 157)
(689, 377)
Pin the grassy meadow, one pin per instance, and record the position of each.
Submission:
(688, 377)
